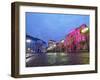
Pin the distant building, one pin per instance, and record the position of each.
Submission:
(54, 46)
(51, 43)
(60, 46)
(35, 45)
(51, 46)
(77, 40)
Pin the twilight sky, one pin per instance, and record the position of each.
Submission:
(53, 26)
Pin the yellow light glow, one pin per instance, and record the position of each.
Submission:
(84, 30)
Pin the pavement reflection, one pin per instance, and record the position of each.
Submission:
(53, 59)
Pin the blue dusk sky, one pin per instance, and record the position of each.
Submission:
(47, 26)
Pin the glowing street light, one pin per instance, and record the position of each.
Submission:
(84, 30)
(28, 40)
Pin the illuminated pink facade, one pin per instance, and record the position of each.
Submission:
(76, 40)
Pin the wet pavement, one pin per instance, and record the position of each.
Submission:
(53, 59)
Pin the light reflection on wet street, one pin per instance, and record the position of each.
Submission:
(53, 59)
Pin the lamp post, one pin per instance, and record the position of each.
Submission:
(86, 32)
(28, 41)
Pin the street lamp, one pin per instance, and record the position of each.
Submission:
(84, 30)
(28, 40)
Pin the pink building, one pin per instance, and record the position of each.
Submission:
(77, 40)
